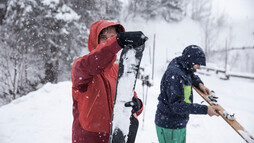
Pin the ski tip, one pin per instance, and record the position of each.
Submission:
(246, 136)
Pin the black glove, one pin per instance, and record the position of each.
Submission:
(134, 39)
(136, 104)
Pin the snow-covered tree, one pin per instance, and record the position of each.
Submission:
(2, 10)
(173, 10)
(94, 10)
(41, 38)
(169, 10)
(201, 9)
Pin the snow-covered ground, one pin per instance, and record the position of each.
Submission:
(45, 116)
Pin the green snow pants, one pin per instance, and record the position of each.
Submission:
(171, 135)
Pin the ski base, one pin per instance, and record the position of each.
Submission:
(124, 125)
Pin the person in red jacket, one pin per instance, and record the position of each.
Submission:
(94, 81)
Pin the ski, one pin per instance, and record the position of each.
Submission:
(230, 119)
(122, 119)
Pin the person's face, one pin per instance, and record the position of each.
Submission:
(110, 32)
(196, 66)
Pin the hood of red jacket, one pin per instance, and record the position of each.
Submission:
(95, 30)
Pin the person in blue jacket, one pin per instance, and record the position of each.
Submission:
(176, 98)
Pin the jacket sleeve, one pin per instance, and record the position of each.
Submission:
(141, 109)
(196, 80)
(84, 68)
(176, 100)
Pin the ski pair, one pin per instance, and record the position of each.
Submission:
(230, 119)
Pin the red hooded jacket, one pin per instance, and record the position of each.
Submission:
(94, 81)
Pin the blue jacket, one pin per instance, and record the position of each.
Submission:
(176, 98)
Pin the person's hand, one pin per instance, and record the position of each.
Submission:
(211, 110)
(136, 104)
(204, 89)
(135, 38)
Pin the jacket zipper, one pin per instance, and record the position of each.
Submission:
(98, 94)
(108, 91)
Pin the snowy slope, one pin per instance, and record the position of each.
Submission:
(45, 116)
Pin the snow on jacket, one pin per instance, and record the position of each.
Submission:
(176, 98)
(94, 81)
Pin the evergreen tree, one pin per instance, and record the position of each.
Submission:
(41, 41)
(170, 10)
(173, 10)
(94, 10)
